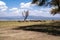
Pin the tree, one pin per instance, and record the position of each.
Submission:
(55, 3)
(25, 14)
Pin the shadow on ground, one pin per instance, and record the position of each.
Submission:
(51, 30)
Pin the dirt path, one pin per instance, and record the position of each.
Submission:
(8, 34)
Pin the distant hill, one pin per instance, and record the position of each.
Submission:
(30, 18)
(43, 18)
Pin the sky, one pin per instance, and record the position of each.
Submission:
(16, 7)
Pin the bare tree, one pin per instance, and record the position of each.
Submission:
(25, 14)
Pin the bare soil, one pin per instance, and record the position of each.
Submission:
(9, 34)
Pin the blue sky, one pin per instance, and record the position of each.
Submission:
(14, 3)
(16, 7)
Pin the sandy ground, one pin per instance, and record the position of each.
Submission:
(8, 34)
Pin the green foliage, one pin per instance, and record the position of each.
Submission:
(55, 3)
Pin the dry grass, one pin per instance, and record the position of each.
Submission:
(9, 34)
(15, 23)
(9, 24)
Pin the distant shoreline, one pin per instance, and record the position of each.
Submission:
(30, 20)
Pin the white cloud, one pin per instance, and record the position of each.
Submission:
(15, 12)
(24, 6)
(3, 6)
(3, 9)
(27, 5)
(2, 3)
(45, 12)
(39, 12)
(11, 12)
